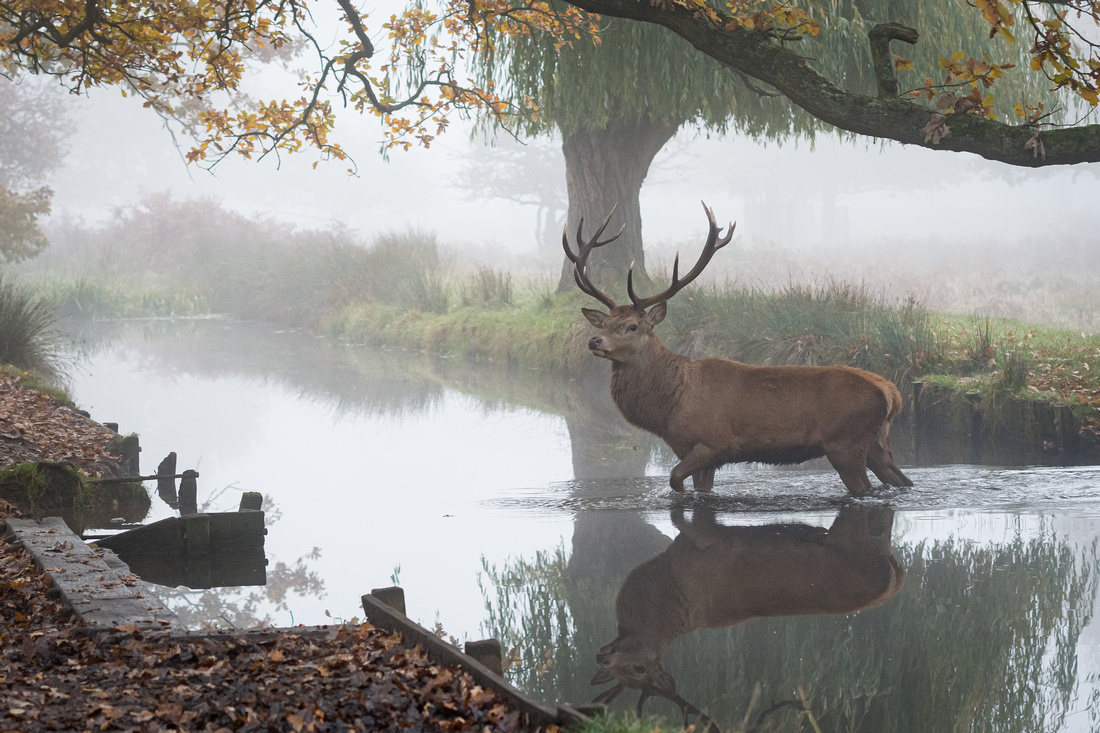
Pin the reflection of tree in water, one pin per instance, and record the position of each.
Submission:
(396, 383)
(247, 607)
(980, 637)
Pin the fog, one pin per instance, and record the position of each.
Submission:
(957, 232)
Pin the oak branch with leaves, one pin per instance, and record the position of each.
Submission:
(188, 59)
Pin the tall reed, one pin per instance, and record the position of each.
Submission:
(828, 323)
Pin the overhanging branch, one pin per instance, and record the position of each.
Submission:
(756, 55)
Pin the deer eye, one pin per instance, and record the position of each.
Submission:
(632, 327)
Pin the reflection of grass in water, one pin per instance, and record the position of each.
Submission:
(534, 626)
(979, 638)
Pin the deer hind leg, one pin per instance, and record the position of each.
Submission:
(703, 480)
(699, 463)
(880, 459)
(851, 463)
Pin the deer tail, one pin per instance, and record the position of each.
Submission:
(894, 402)
(893, 409)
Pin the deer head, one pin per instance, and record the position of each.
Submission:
(656, 683)
(627, 328)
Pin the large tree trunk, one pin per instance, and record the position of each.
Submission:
(605, 168)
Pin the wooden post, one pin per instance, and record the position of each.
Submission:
(251, 501)
(129, 448)
(915, 421)
(1065, 428)
(487, 651)
(166, 486)
(394, 597)
(196, 535)
(189, 489)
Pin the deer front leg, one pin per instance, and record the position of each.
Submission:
(700, 464)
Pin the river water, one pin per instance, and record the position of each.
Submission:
(515, 504)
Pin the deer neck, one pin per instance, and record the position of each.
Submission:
(650, 609)
(646, 388)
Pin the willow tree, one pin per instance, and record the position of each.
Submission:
(189, 60)
(618, 97)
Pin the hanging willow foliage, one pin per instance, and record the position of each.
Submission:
(642, 71)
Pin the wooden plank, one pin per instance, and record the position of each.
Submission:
(440, 652)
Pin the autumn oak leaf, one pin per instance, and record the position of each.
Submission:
(1035, 145)
(936, 129)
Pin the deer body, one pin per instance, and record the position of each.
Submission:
(716, 411)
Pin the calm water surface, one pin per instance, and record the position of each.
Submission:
(517, 505)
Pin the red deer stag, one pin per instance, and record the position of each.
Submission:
(713, 576)
(716, 411)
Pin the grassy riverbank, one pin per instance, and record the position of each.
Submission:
(833, 324)
(167, 258)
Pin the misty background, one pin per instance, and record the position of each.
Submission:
(956, 231)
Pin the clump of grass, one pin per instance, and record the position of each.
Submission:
(487, 288)
(829, 323)
(543, 294)
(29, 339)
(406, 270)
(1015, 365)
(86, 298)
(980, 349)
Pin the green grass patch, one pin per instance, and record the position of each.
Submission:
(44, 485)
(626, 724)
(87, 298)
(530, 336)
(1006, 357)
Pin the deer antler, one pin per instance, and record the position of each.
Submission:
(648, 691)
(580, 260)
(703, 722)
(713, 245)
(609, 694)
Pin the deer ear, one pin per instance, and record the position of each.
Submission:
(603, 676)
(596, 318)
(656, 314)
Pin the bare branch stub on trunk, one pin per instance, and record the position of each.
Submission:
(880, 37)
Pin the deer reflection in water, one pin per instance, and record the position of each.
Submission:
(713, 576)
